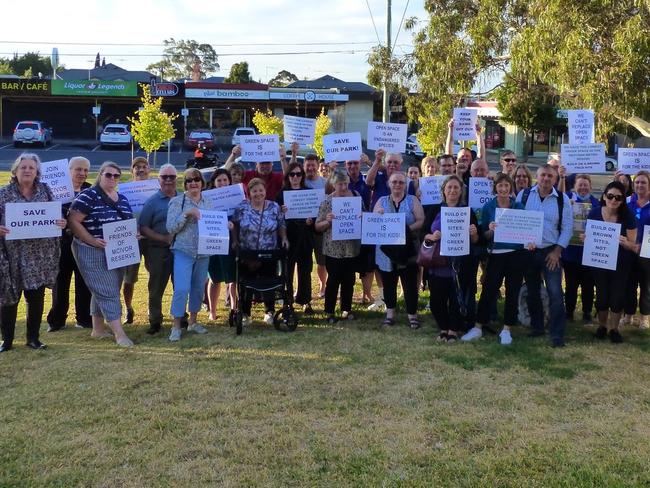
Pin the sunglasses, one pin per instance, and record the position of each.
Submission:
(398, 182)
(198, 179)
(168, 177)
(510, 160)
(612, 196)
(115, 176)
(295, 174)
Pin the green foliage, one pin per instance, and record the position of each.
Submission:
(267, 123)
(323, 123)
(386, 67)
(151, 126)
(239, 73)
(27, 65)
(283, 78)
(181, 58)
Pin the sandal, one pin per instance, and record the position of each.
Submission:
(414, 323)
(388, 322)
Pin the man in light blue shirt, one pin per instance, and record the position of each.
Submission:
(545, 260)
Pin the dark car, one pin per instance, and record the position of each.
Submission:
(203, 136)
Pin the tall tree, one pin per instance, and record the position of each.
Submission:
(28, 65)
(151, 126)
(239, 73)
(180, 58)
(283, 78)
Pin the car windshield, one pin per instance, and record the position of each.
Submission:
(200, 135)
(28, 125)
(115, 130)
(246, 132)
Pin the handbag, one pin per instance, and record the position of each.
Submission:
(429, 255)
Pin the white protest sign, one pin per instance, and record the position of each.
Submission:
(57, 176)
(225, 198)
(430, 189)
(299, 129)
(583, 158)
(347, 218)
(391, 137)
(632, 160)
(518, 226)
(303, 204)
(121, 243)
(645, 244)
(454, 230)
(581, 126)
(480, 192)
(260, 148)
(388, 228)
(214, 236)
(342, 147)
(137, 192)
(465, 124)
(601, 244)
(35, 220)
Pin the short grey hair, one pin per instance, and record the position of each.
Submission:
(167, 166)
(78, 160)
(23, 156)
(339, 176)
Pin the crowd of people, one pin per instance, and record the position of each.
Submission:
(169, 242)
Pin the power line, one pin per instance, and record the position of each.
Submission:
(401, 22)
(214, 45)
(373, 22)
(153, 55)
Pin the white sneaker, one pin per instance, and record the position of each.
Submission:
(376, 306)
(268, 318)
(246, 320)
(175, 335)
(625, 320)
(506, 338)
(198, 328)
(643, 323)
(473, 334)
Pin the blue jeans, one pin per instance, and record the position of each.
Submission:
(553, 280)
(189, 279)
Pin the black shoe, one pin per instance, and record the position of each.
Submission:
(536, 333)
(55, 327)
(153, 329)
(601, 333)
(4, 347)
(307, 310)
(615, 336)
(36, 344)
(130, 314)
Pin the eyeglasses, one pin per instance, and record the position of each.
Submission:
(295, 174)
(198, 179)
(168, 177)
(510, 160)
(612, 196)
(398, 182)
(115, 176)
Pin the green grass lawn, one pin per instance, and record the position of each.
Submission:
(344, 405)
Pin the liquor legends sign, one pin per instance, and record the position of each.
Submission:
(95, 88)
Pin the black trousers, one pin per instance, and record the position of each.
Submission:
(509, 266)
(35, 300)
(611, 286)
(61, 292)
(639, 277)
(443, 301)
(408, 276)
(576, 275)
(303, 261)
(340, 273)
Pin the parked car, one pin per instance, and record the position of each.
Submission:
(32, 132)
(197, 136)
(241, 131)
(412, 146)
(115, 135)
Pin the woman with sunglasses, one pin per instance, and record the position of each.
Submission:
(300, 233)
(610, 284)
(90, 210)
(190, 267)
(639, 276)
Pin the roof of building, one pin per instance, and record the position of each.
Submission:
(327, 82)
(106, 72)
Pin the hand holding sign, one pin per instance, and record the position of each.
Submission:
(260, 148)
(464, 124)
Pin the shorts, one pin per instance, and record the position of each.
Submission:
(131, 272)
(318, 249)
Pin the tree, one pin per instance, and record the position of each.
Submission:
(239, 73)
(283, 78)
(267, 123)
(386, 67)
(151, 126)
(27, 65)
(323, 123)
(593, 54)
(180, 58)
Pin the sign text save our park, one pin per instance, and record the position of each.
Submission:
(95, 88)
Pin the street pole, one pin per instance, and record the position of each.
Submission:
(386, 112)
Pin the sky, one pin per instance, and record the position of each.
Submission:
(81, 29)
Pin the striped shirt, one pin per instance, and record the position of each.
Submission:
(90, 203)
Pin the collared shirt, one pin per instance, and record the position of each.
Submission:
(316, 184)
(380, 189)
(154, 214)
(550, 234)
(186, 229)
(362, 189)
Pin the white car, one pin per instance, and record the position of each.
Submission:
(115, 135)
(32, 132)
(412, 146)
(241, 131)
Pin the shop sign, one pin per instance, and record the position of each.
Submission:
(103, 88)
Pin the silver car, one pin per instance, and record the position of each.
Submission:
(32, 132)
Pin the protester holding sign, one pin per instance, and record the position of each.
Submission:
(300, 233)
(464, 157)
(27, 266)
(504, 262)
(610, 284)
(190, 267)
(157, 255)
(399, 262)
(90, 210)
(259, 225)
(639, 277)
(575, 273)
(79, 167)
(446, 286)
(272, 180)
(340, 255)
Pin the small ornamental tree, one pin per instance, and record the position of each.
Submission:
(323, 123)
(267, 123)
(151, 126)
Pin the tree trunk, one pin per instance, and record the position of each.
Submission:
(638, 123)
